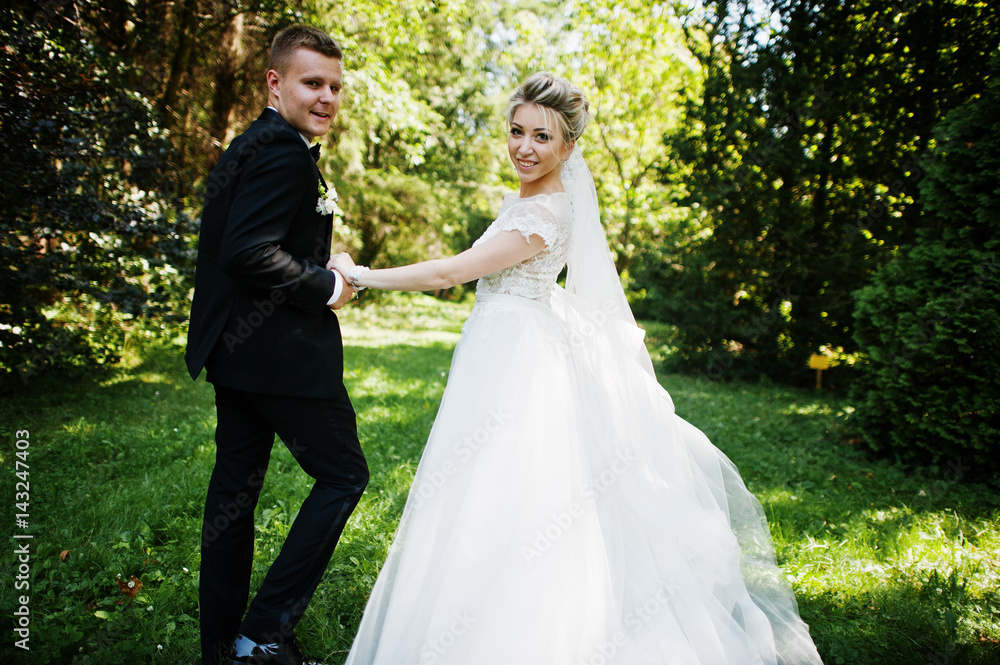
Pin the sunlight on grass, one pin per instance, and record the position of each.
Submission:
(404, 319)
(809, 409)
(145, 377)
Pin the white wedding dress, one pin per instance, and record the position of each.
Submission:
(562, 514)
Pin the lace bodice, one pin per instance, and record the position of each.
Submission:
(545, 215)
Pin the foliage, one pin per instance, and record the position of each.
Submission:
(97, 232)
(92, 237)
(635, 70)
(889, 568)
(414, 147)
(631, 62)
(930, 321)
(756, 162)
(801, 160)
(202, 62)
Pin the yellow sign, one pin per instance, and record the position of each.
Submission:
(817, 361)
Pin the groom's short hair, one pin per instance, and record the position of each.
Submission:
(295, 37)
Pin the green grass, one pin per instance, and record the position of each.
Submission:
(889, 565)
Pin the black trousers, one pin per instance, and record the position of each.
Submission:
(322, 436)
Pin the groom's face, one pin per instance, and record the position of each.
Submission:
(307, 95)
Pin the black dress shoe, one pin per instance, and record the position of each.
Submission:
(285, 653)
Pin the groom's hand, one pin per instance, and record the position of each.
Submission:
(346, 294)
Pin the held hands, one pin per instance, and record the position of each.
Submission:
(346, 294)
(342, 263)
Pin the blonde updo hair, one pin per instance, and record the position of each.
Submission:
(572, 110)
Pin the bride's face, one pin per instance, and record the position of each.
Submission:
(307, 95)
(537, 150)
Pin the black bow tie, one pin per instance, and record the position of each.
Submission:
(314, 151)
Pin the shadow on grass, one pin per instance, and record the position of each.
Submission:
(903, 623)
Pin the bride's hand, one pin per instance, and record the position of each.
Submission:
(342, 263)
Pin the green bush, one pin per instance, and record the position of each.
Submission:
(929, 322)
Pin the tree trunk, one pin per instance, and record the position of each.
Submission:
(187, 24)
(231, 60)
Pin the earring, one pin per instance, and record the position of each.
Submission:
(567, 171)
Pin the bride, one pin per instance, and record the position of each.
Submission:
(562, 514)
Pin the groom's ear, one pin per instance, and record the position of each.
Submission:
(273, 78)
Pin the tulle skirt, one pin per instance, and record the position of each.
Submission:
(562, 514)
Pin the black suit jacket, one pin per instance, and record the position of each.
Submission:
(259, 318)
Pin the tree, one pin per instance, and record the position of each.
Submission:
(804, 159)
(414, 159)
(93, 237)
(204, 63)
(634, 68)
(630, 61)
(929, 323)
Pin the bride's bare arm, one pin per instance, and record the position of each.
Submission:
(503, 250)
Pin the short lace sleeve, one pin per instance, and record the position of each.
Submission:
(530, 218)
(547, 216)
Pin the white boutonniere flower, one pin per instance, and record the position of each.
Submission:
(327, 204)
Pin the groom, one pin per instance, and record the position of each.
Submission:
(262, 323)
